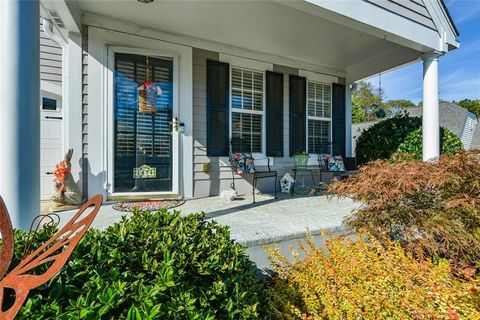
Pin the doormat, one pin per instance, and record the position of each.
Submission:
(151, 205)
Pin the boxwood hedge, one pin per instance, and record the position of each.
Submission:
(152, 266)
(400, 136)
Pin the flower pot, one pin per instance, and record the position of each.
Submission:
(301, 160)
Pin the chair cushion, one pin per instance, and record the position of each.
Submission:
(333, 163)
(243, 163)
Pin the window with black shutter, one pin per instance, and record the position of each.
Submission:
(297, 108)
(217, 108)
(338, 119)
(274, 114)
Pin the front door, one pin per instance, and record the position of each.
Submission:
(143, 114)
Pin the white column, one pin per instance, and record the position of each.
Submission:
(431, 119)
(348, 121)
(20, 109)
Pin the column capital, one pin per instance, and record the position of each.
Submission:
(433, 55)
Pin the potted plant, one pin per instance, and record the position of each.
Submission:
(300, 159)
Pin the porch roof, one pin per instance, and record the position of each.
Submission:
(330, 38)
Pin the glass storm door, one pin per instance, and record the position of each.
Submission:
(143, 116)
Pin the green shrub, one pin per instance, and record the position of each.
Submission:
(431, 208)
(400, 137)
(363, 279)
(382, 140)
(151, 266)
(412, 145)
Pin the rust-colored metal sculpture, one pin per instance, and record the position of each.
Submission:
(55, 251)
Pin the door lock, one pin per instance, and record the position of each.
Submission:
(175, 124)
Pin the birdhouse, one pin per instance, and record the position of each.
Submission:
(287, 183)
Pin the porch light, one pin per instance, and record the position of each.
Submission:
(145, 1)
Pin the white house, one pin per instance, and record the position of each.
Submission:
(276, 73)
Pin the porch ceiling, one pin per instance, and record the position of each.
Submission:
(264, 26)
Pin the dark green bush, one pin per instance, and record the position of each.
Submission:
(152, 266)
(382, 140)
(400, 136)
(450, 143)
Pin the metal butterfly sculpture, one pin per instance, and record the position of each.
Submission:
(55, 251)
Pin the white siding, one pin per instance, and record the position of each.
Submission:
(471, 123)
(50, 59)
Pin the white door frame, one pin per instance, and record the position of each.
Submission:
(110, 127)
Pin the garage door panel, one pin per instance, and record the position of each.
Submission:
(51, 144)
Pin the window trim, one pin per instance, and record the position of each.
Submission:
(308, 117)
(261, 154)
(324, 79)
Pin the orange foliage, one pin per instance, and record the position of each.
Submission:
(431, 208)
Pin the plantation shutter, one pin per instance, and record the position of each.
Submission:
(298, 91)
(338, 119)
(218, 75)
(274, 114)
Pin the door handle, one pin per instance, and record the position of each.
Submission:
(56, 118)
(49, 173)
(174, 123)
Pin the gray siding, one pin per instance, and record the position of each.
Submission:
(413, 10)
(50, 59)
(220, 176)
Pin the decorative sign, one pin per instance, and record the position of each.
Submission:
(144, 172)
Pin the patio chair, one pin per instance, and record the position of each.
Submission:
(350, 164)
(243, 163)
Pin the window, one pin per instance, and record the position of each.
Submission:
(319, 117)
(49, 104)
(247, 107)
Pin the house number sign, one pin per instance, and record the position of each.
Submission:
(144, 172)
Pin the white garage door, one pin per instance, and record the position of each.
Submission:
(51, 144)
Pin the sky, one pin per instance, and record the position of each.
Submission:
(459, 70)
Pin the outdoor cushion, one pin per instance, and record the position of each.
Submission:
(244, 163)
(333, 163)
(336, 164)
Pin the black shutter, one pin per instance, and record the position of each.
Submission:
(298, 104)
(338, 119)
(218, 75)
(274, 114)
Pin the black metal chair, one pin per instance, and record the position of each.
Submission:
(240, 148)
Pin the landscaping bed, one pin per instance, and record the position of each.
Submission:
(413, 253)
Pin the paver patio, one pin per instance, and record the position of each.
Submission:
(267, 221)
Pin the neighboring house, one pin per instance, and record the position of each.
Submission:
(458, 120)
(276, 73)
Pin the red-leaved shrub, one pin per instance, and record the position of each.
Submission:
(431, 208)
